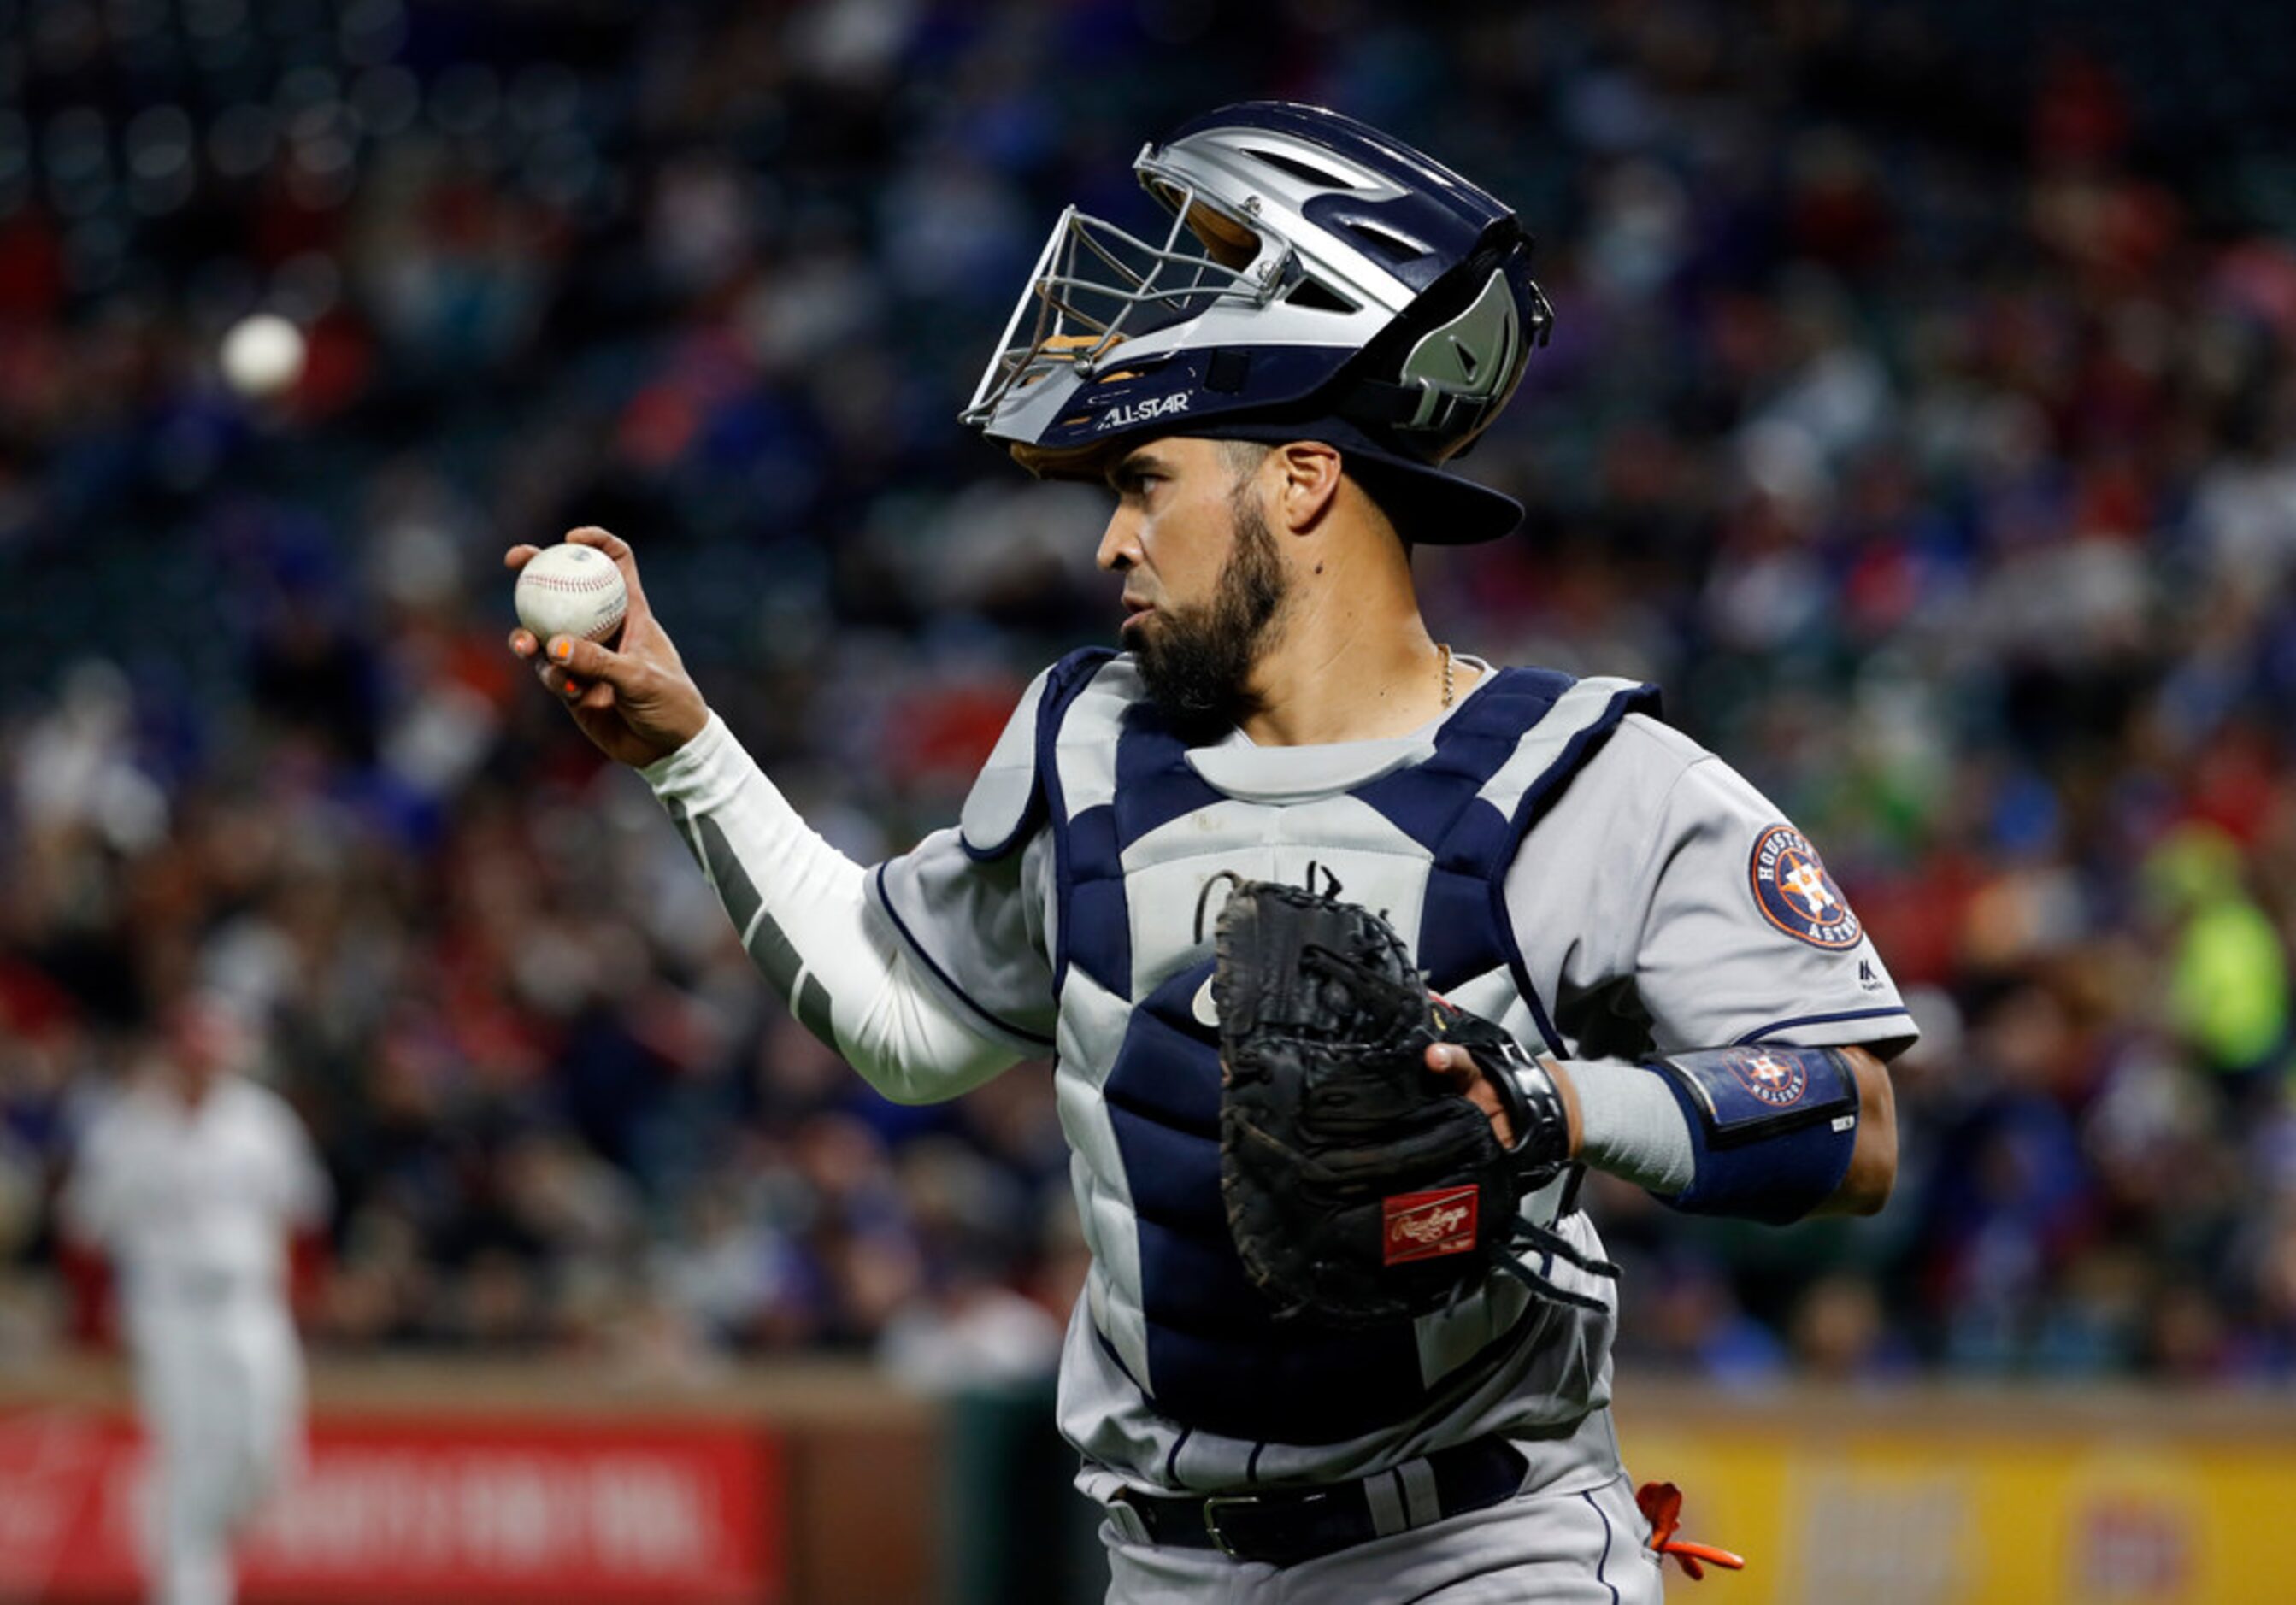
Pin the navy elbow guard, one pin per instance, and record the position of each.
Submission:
(1773, 1128)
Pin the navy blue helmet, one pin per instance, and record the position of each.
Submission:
(1318, 280)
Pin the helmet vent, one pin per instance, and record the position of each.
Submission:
(1320, 297)
(1395, 247)
(1285, 161)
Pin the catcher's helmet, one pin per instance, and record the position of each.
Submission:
(1318, 280)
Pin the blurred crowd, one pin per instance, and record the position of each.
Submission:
(1919, 414)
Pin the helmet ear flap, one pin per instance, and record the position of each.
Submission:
(1466, 369)
(1438, 375)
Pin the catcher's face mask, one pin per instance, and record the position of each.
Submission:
(1096, 286)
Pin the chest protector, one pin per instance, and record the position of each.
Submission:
(1137, 834)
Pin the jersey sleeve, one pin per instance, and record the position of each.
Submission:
(1665, 904)
(967, 903)
(1745, 936)
(971, 925)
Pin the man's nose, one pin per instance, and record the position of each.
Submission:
(1119, 542)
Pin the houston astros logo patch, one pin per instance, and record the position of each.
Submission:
(1779, 1083)
(1796, 894)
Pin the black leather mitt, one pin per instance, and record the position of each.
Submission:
(1360, 1188)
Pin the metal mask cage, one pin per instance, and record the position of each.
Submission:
(1095, 286)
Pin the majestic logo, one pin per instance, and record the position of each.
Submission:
(1423, 1225)
(1796, 894)
(1142, 412)
(1779, 1083)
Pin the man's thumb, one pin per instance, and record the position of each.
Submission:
(589, 660)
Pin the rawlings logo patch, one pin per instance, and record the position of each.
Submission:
(1424, 1225)
(1796, 894)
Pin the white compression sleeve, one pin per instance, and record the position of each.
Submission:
(1630, 1125)
(801, 908)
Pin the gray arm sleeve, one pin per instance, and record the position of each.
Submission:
(804, 915)
(1630, 1125)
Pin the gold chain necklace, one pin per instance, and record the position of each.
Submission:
(1444, 647)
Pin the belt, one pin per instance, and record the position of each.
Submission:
(1284, 1526)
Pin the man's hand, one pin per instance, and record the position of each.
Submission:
(635, 701)
(1456, 1068)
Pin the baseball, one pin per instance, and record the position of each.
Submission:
(571, 590)
(263, 355)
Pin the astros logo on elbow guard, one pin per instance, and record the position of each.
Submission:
(1797, 895)
(1779, 1083)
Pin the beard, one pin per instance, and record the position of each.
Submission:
(1197, 661)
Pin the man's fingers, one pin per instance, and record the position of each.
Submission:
(522, 642)
(573, 692)
(614, 546)
(1448, 1061)
(605, 540)
(588, 660)
(520, 555)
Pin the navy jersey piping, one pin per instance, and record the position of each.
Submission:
(1764, 1033)
(1609, 1537)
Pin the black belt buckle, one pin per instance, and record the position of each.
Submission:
(1212, 1508)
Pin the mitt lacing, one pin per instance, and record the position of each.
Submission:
(1553, 1244)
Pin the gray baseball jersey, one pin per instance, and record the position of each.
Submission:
(1560, 862)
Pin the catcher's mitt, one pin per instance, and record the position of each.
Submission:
(1359, 1189)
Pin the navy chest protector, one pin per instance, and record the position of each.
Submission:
(1216, 1358)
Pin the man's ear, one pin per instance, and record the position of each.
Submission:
(1308, 488)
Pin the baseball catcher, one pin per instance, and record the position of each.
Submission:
(1346, 1330)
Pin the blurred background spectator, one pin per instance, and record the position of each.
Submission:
(1921, 413)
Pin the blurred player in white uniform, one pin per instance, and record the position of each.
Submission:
(191, 1182)
(1273, 385)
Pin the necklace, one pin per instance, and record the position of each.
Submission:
(1444, 647)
